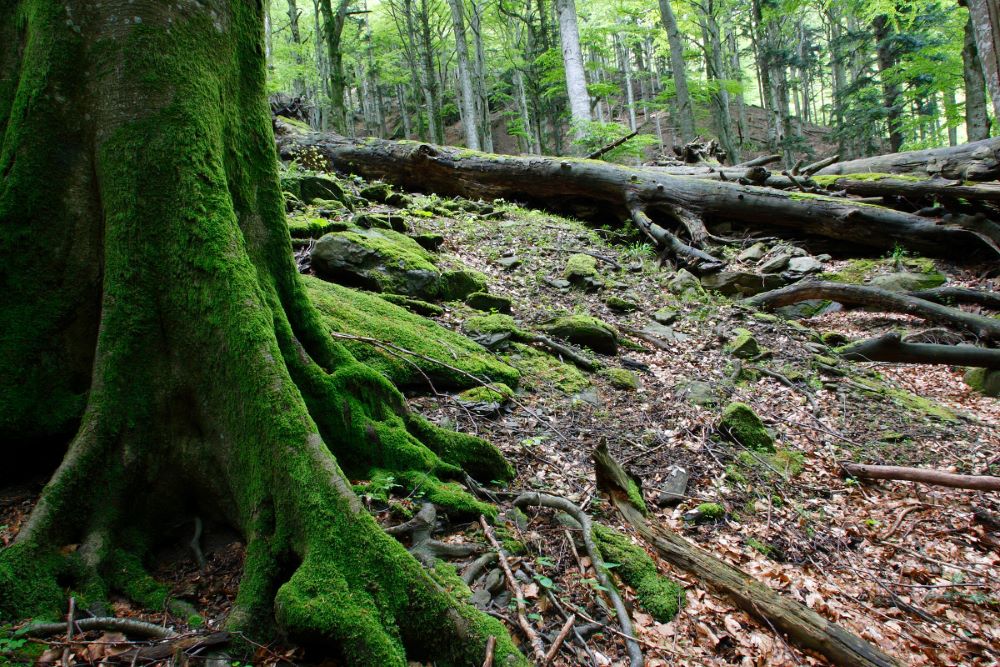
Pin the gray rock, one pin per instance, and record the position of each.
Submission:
(480, 599)
(589, 396)
(665, 316)
(585, 330)
(558, 283)
(904, 281)
(753, 254)
(494, 580)
(804, 265)
(685, 283)
(674, 487)
(984, 380)
(313, 187)
(696, 392)
(809, 308)
(489, 302)
(664, 333)
(377, 259)
(776, 264)
(743, 283)
(510, 263)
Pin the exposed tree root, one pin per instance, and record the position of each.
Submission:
(624, 620)
(803, 626)
(951, 295)
(879, 299)
(128, 626)
(933, 477)
(426, 549)
(890, 347)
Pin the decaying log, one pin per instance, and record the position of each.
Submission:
(879, 299)
(974, 161)
(891, 348)
(563, 184)
(804, 627)
(924, 476)
(950, 295)
(930, 187)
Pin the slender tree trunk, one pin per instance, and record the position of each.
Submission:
(977, 120)
(404, 113)
(467, 95)
(298, 84)
(433, 87)
(685, 112)
(890, 88)
(333, 30)
(985, 19)
(185, 355)
(626, 65)
(716, 71)
(576, 80)
(479, 78)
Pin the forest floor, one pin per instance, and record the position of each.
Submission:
(908, 567)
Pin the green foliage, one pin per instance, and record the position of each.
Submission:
(596, 135)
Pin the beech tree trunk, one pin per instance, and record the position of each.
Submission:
(985, 19)
(166, 333)
(576, 80)
(977, 120)
(682, 99)
(467, 96)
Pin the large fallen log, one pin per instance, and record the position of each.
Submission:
(975, 161)
(667, 200)
(891, 348)
(879, 299)
(887, 186)
(924, 476)
(950, 295)
(803, 626)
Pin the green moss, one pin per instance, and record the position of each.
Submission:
(826, 180)
(495, 393)
(417, 306)
(456, 285)
(447, 576)
(635, 497)
(488, 302)
(579, 267)
(491, 324)
(538, 368)
(359, 313)
(303, 227)
(985, 381)
(28, 583)
(788, 463)
(620, 378)
(741, 423)
(586, 331)
(660, 596)
(742, 344)
(621, 305)
(710, 511)
(908, 400)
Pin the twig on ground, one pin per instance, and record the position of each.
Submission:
(554, 649)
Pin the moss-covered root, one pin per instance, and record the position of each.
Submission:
(661, 596)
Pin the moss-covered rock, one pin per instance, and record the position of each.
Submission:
(587, 331)
(985, 381)
(579, 267)
(429, 241)
(358, 313)
(686, 285)
(310, 187)
(742, 344)
(660, 596)
(741, 423)
(905, 281)
(488, 302)
(460, 283)
(539, 369)
(381, 221)
(620, 378)
(494, 323)
(377, 259)
(376, 192)
(621, 305)
(417, 306)
(304, 227)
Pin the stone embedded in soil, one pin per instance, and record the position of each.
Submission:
(985, 381)
(685, 284)
(674, 488)
(696, 392)
(510, 263)
(664, 333)
(905, 281)
(753, 254)
(579, 267)
(587, 331)
(489, 302)
(742, 424)
(620, 304)
(432, 242)
(665, 316)
(742, 344)
(743, 283)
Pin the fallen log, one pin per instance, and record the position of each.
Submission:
(803, 626)
(924, 476)
(891, 348)
(878, 299)
(887, 186)
(975, 161)
(949, 295)
(567, 184)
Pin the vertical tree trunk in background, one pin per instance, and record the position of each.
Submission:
(467, 96)
(736, 74)
(838, 76)
(767, 68)
(716, 70)
(183, 361)
(432, 86)
(682, 98)
(985, 16)
(318, 116)
(333, 30)
(479, 78)
(298, 84)
(404, 113)
(626, 66)
(576, 79)
(890, 87)
(951, 111)
(977, 120)
(268, 43)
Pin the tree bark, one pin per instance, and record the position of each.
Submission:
(682, 99)
(985, 19)
(891, 348)
(184, 355)
(333, 30)
(882, 300)
(976, 161)
(672, 201)
(467, 95)
(977, 120)
(576, 80)
(890, 87)
(934, 477)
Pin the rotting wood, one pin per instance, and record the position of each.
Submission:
(803, 626)
(891, 348)
(922, 475)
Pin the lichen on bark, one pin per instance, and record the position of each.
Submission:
(166, 325)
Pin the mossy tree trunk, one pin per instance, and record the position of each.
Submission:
(152, 308)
